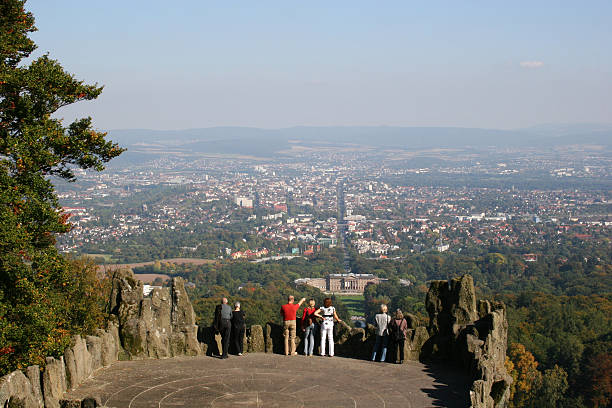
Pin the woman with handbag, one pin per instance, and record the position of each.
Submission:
(309, 327)
(397, 330)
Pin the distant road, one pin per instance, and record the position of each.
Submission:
(194, 261)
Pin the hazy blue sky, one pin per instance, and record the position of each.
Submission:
(187, 64)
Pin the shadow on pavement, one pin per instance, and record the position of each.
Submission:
(451, 387)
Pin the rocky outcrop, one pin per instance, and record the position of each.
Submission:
(162, 325)
(450, 307)
(485, 355)
(473, 337)
(159, 326)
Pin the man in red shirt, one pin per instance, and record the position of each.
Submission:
(289, 313)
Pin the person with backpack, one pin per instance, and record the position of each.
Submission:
(309, 327)
(328, 313)
(381, 320)
(397, 329)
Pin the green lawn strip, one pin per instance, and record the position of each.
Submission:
(354, 303)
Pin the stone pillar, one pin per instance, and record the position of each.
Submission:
(78, 362)
(33, 374)
(54, 382)
(257, 342)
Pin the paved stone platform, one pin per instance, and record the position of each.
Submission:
(269, 380)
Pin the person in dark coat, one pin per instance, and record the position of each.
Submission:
(238, 328)
(398, 328)
(223, 325)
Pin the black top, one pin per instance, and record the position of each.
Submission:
(237, 318)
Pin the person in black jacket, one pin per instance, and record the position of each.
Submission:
(222, 324)
(238, 328)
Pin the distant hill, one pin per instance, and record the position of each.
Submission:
(143, 143)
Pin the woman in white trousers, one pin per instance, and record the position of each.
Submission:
(328, 313)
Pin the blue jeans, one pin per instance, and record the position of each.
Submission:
(309, 339)
(380, 341)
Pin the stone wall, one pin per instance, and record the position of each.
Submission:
(461, 331)
(159, 326)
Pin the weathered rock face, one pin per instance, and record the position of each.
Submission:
(54, 381)
(450, 308)
(156, 327)
(33, 374)
(78, 362)
(108, 345)
(16, 390)
(491, 387)
(183, 321)
(415, 339)
(473, 337)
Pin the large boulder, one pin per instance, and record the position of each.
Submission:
(159, 326)
(462, 301)
(16, 390)
(415, 340)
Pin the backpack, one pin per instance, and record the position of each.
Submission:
(397, 332)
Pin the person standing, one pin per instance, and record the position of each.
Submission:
(223, 325)
(328, 313)
(381, 320)
(397, 331)
(238, 328)
(309, 327)
(289, 313)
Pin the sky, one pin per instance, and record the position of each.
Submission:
(273, 64)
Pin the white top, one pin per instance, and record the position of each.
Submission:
(328, 316)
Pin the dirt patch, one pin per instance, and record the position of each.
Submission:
(150, 277)
(194, 261)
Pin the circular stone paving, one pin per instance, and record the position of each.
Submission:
(269, 380)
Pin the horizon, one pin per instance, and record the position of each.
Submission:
(605, 124)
